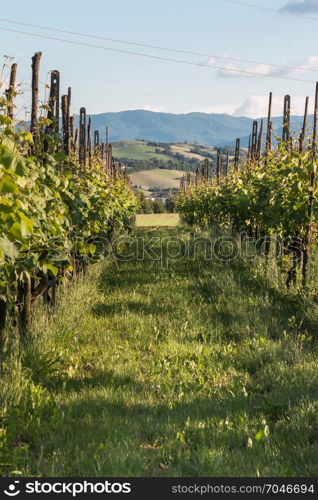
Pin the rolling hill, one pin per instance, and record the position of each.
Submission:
(137, 150)
(161, 178)
(141, 150)
(213, 129)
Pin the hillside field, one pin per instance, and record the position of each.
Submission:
(160, 220)
(164, 179)
(136, 150)
(141, 150)
(185, 150)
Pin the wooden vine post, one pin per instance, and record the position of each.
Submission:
(54, 102)
(237, 154)
(249, 149)
(106, 151)
(96, 139)
(206, 169)
(3, 320)
(75, 139)
(286, 120)
(56, 79)
(110, 166)
(24, 301)
(89, 141)
(302, 135)
(259, 141)
(72, 132)
(254, 141)
(68, 119)
(66, 122)
(35, 93)
(197, 174)
(10, 92)
(82, 139)
(53, 114)
(227, 163)
(24, 287)
(188, 178)
(311, 196)
(269, 125)
(218, 167)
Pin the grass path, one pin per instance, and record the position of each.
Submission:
(197, 368)
(160, 220)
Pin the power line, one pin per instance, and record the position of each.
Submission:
(158, 47)
(268, 9)
(139, 54)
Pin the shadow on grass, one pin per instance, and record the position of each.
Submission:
(280, 307)
(146, 428)
(93, 380)
(277, 312)
(132, 306)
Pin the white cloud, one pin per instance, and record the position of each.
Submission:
(158, 109)
(256, 106)
(300, 7)
(237, 69)
(228, 109)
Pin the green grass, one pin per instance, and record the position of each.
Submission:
(162, 368)
(164, 179)
(185, 150)
(146, 220)
(140, 150)
(137, 150)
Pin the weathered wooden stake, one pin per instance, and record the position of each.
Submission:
(96, 138)
(89, 141)
(109, 154)
(307, 237)
(53, 113)
(10, 92)
(107, 163)
(249, 148)
(56, 75)
(218, 167)
(303, 131)
(24, 298)
(237, 154)
(72, 138)
(254, 141)
(35, 92)
(227, 163)
(269, 125)
(65, 123)
(3, 320)
(68, 118)
(75, 138)
(259, 142)
(286, 119)
(197, 176)
(82, 138)
(206, 169)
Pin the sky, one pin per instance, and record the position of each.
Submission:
(281, 32)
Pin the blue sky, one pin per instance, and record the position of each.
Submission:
(107, 81)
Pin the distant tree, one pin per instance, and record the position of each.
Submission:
(170, 205)
(159, 207)
(145, 205)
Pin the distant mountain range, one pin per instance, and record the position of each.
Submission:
(213, 129)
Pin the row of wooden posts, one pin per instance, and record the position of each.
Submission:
(255, 146)
(254, 155)
(75, 141)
